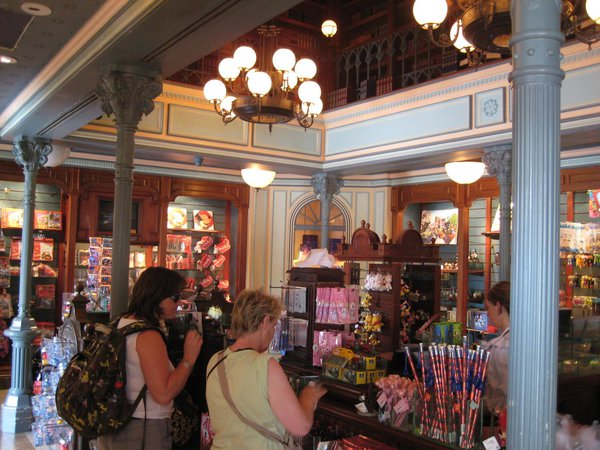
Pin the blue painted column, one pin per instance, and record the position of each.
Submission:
(326, 186)
(498, 161)
(128, 93)
(536, 81)
(16, 409)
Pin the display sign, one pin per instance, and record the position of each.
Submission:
(439, 226)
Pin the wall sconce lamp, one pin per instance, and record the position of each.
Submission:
(465, 172)
(258, 178)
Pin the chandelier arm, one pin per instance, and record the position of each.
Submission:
(228, 118)
(219, 111)
(443, 40)
(589, 35)
(304, 123)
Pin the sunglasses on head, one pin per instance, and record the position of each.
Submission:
(175, 297)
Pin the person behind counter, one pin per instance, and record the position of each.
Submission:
(259, 391)
(497, 305)
(154, 298)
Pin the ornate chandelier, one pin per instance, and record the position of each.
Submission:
(481, 26)
(267, 95)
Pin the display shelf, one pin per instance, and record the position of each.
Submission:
(409, 260)
(311, 279)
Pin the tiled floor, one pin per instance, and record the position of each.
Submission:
(15, 441)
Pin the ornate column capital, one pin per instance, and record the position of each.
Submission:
(128, 92)
(498, 161)
(326, 186)
(31, 153)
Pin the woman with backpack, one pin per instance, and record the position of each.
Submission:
(154, 299)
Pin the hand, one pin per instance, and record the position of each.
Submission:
(313, 393)
(191, 346)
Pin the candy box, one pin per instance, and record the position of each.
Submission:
(333, 366)
(354, 376)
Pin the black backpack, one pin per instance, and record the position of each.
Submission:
(91, 394)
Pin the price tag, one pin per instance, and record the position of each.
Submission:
(491, 444)
(361, 407)
(401, 406)
(382, 399)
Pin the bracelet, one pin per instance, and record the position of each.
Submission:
(186, 364)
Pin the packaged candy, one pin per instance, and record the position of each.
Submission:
(205, 242)
(223, 246)
(205, 261)
(219, 260)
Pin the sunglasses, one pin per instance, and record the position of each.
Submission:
(175, 297)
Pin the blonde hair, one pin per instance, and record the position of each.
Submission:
(250, 308)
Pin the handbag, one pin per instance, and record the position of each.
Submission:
(184, 419)
(287, 441)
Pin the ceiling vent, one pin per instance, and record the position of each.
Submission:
(12, 27)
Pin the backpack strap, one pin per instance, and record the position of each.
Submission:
(227, 394)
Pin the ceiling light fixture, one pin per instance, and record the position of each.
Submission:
(266, 95)
(5, 59)
(258, 178)
(36, 9)
(480, 26)
(329, 28)
(465, 172)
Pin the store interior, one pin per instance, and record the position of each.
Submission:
(193, 211)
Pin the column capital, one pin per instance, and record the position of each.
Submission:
(498, 161)
(128, 92)
(31, 153)
(326, 185)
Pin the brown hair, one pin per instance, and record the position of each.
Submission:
(152, 287)
(500, 293)
(250, 308)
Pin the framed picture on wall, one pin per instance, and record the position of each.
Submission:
(439, 226)
(333, 245)
(106, 216)
(310, 241)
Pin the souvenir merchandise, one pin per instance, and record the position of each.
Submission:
(99, 273)
(323, 344)
(45, 296)
(337, 305)
(203, 220)
(450, 383)
(176, 218)
(4, 272)
(48, 428)
(47, 220)
(369, 325)
(395, 400)
(12, 218)
(6, 308)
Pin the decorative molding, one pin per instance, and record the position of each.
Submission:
(489, 107)
(428, 96)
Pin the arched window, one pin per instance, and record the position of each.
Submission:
(307, 226)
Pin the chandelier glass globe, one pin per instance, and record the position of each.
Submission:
(259, 83)
(430, 13)
(461, 42)
(306, 69)
(592, 8)
(314, 108)
(309, 92)
(228, 69)
(245, 57)
(284, 59)
(290, 80)
(215, 91)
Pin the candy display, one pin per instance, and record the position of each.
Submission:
(450, 385)
(395, 400)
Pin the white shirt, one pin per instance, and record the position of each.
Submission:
(136, 381)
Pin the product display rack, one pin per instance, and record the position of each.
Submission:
(409, 260)
(311, 279)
